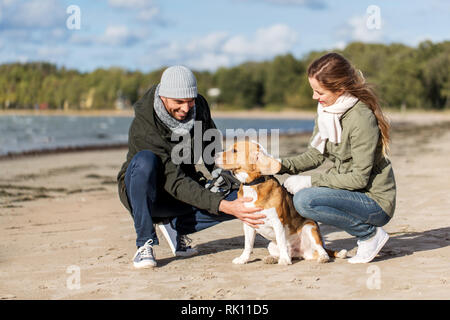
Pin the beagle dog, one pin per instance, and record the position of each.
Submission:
(291, 235)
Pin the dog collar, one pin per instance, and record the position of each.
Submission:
(256, 181)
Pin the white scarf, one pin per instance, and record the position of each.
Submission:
(328, 121)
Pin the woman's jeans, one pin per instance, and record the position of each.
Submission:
(150, 203)
(351, 211)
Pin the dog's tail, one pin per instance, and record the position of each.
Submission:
(337, 254)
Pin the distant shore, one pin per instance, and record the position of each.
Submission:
(415, 115)
(252, 113)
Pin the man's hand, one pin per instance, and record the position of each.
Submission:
(238, 209)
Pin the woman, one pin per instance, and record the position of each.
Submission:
(358, 193)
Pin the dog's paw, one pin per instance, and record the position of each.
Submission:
(270, 260)
(284, 261)
(240, 260)
(323, 258)
(342, 254)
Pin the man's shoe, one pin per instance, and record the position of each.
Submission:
(183, 247)
(179, 244)
(368, 249)
(170, 234)
(144, 256)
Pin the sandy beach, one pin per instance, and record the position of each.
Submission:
(65, 235)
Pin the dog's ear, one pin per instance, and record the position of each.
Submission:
(267, 165)
(223, 160)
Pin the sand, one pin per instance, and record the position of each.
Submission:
(65, 235)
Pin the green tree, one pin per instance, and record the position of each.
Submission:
(402, 75)
(284, 76)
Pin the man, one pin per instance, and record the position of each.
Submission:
(155, 188)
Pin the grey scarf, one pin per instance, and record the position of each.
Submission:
(178, 127)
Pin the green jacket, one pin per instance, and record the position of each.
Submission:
(359, 164)
(182, 181)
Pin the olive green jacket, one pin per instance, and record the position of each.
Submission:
(359, 164)
(182, 181)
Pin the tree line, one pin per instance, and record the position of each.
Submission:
(403, 76)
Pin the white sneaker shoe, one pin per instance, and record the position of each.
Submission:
(170, 234)
(179, 244)
(144, 256)
(368, 249)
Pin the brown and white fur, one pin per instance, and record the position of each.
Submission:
(291, 235)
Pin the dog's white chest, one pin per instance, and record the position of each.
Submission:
(249, 192)
(270, 221)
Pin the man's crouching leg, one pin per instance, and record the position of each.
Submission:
(141, 186)
(197, 221)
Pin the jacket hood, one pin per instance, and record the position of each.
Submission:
(144, 107)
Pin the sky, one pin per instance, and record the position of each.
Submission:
(205, 34)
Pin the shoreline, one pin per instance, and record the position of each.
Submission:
(394, 115)
(69, 149)
(88, 148)
(253, 113)
(398, 123)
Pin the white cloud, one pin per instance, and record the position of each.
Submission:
(21, 14)
(209, 61)
(312, 4)
(52, 54)
(145, 10)
(114, 35)
(415, 41)
(222, 49)
(148, 14)
(357, 29)
(340, 45)
(361, 32)
(118, 35)
(129, 3)
(32, 22)
(22, 58)
(267, 42)
(198, 53)
(29, 52)
(211, 42)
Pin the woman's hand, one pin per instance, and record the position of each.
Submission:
(294, 184)
(238, 209)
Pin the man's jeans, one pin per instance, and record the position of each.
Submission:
(351, 211)
(150, 203)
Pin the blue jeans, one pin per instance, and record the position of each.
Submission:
(150, 203)
(351, 211)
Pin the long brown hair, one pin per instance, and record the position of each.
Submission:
(335, 73)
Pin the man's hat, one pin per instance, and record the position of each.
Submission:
(178, 82)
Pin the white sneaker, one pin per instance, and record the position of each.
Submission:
(170, 234)
(144, 256)
(179, 244)
(368, 249)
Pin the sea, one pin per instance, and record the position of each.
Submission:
(21, 134)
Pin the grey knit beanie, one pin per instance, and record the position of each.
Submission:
(178, 82)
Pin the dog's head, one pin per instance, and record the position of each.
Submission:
(247, 160)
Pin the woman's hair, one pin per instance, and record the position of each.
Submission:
(335, 73)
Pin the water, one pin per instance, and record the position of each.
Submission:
(25, 133)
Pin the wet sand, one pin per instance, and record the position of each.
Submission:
(60, 215)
